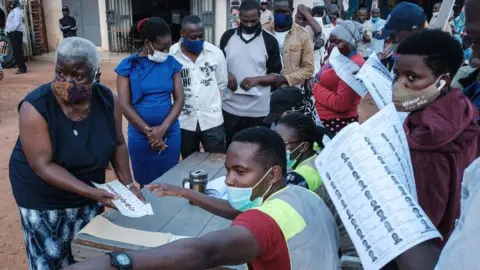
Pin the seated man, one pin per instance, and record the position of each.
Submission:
(274, 226)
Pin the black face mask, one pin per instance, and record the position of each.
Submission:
(250, 29)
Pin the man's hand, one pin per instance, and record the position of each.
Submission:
(281, 81)
(166, 190)
(232, 82)
(303, 10)
(248, 83)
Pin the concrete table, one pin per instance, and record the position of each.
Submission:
(172, 215)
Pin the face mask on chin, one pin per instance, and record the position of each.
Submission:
(408, 100)
(157, 56)
(250, 29)
(292, 162)
(239, 198)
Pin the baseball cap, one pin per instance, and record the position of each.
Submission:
(65, 8)
(281, 101)
(405, 16)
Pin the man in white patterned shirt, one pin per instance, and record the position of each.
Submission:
(204, 76)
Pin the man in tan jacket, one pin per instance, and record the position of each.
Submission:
(296, 44)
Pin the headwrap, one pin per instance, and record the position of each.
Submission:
(349, 31)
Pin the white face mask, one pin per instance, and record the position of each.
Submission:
(157, 56)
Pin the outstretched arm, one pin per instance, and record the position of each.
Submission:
(218, 207)
(232, 246)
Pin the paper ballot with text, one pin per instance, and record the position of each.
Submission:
(369, 182)
(127, 203)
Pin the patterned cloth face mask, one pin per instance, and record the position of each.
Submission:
(73, 92)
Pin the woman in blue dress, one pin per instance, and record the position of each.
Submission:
(146, 83)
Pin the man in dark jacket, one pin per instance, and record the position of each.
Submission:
(68, 24)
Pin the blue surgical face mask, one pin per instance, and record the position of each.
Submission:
(375, 19)
(291, 162)
(195, 46)
(282, 19)
(239, 198)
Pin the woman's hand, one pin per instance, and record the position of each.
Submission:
(135, 190)
(102, 196)
(166, 190)
(155, 137)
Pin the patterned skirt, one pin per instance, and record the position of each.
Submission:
(48, 233)
(335, 125)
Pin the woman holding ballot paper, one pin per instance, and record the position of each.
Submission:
(336, 102)
(70, 130)
(441, 127)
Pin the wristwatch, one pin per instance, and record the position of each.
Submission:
(129, 186)
(120, 260)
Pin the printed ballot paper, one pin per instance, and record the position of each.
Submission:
(127, 203)
(369, 178)
(346, 70)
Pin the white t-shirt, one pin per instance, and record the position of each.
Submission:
(280, 36)
(463, 246)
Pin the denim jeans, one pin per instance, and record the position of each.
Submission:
(213, 140)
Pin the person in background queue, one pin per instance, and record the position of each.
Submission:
(377, 24)
(336, 102)
(146, 82)
(296, 45)
(300, 135)
(235, 13)
(266, 18)
(261, 205)
(70, 129)
(318, 12)
(364, 46)
(204, 77)
(471, 84)
(404, 19)
(254, 64)
(441, 127)
(14, 31)
(304, 18)
(68, 24)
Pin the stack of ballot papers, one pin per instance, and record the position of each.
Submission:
(127, 203)
(217, 188)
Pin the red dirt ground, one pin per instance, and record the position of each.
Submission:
(12, 89)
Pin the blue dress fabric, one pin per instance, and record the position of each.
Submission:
(151, 86)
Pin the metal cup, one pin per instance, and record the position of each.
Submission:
(197, 180)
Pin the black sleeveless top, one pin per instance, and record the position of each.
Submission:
(85, 155)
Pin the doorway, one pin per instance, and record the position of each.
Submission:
(172, 11)
(87, 15)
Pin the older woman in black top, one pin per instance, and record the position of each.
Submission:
(70, 130)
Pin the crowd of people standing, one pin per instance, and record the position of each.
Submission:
(268, 98)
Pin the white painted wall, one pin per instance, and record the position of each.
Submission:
(220, 19)
(52, 12)
(102, 9)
